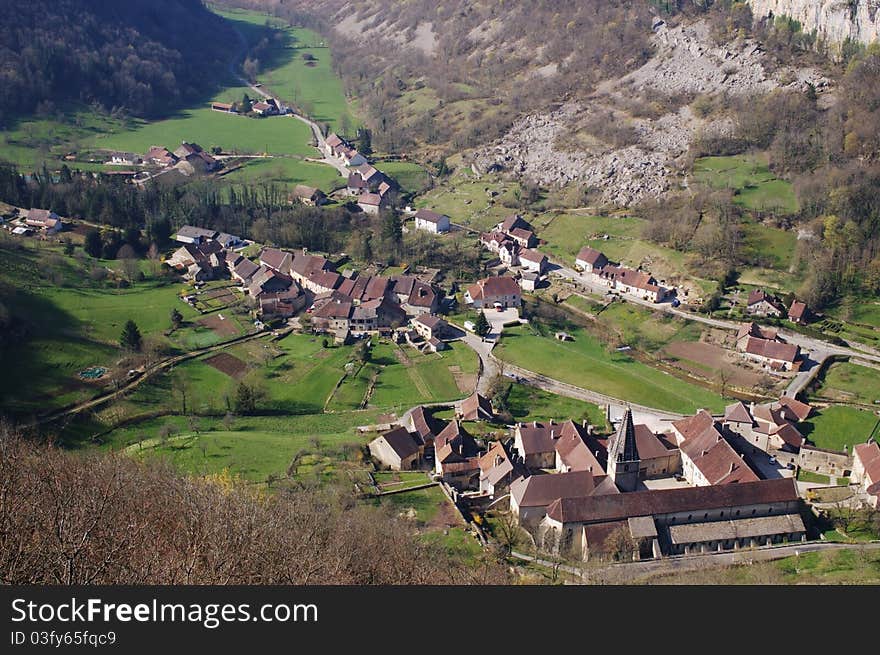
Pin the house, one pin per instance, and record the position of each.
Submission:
(351, 157)
(187, 149)
(413, 295)
(267, 280)
(125, 158)
(430, 327)
(530, 496)
(508, 253)
(513, 222)
(761, 303)
(228, 240)
(192, 234)
(431, 221)
(475, 407)
(372, 315)
(706, 456)
(425, 427)
(372, 203)
(636, 283)
(494, 240)
(590, 260)
(282, 304)
(199, 262)
(222, 106)
(332, 313)
(772, 354)
(242, 269)
(22, 231)
(322, 281)
(160, 156)
(44, 220)
(529, 281)
(501, 292)
(533, 261)
(333, 145)
(524, 238)
(866, 471)
(535, 443)
(268, 107)
(798, 312)
(309, 195)
(681, 521)
(356, 185)
(794, 410)
(197, 163)
(497, 470)
(303, 265)
(397, 449)
(752, 329)
(577, 450)
(278, 260)
(456, 457)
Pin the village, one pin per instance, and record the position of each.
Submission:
(645, 483)
(657, 486)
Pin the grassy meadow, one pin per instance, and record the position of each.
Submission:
(586, 363)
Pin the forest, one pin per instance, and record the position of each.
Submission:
(138, 57)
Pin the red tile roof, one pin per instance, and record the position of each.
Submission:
(492, 287)
(785, 352)
(611, 507)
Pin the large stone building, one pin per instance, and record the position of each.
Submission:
(676, 521)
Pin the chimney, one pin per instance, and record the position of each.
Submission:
(731, 469)
(552, 434)
(534, 424)
(584, 423)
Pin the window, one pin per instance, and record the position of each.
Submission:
(690, 516)
(753, 512)
(737, 512)
(721, 515)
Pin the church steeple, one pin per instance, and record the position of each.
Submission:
(623, 455)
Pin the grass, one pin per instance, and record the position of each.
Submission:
(753, 185)
(809, 476)
(469, 202)
(848, 382)
(411, 177)
(586, 363)
(530, 404)
(768, 247)
(74, 323)
(842, 566)
(286, 171)
(314, 87)
(277, 135)
(397, 480)
(835, 427)
(422, 504)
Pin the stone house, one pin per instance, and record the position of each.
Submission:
(397, 449)
(866, 471)
(431, 221)
(490, 292)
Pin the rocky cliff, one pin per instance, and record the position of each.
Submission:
(834, 20)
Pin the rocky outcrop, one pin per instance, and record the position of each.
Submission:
(835, 21)
(687, 62)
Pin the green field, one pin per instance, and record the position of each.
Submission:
(286, 171)
(753, 185)
(278, 135)
(255, 448)
(422, 504)
(469, 203)
(848, 382)
(74, 323)
(411, 177)
(315, 88)
(530, 404)
(586, 363)
(769, 247)
(835, 427)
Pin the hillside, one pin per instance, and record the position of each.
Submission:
(141, 56)
(107, 519)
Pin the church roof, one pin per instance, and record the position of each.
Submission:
(622, 447)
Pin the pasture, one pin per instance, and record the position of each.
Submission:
(586, 363)
(835, 427)
(753, 184)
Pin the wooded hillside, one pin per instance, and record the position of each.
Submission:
(143, 56)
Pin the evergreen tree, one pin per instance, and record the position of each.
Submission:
(93, 244)
(176, 318)
(482, 327)
(131, 337)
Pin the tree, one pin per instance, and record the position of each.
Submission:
(482, 327)
(246, 397)
(176, 319)
(93, 244)
(130, 266)
(362, 352)
(131, 339)
(68, 246)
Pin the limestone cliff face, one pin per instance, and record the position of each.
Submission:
(834, 20)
